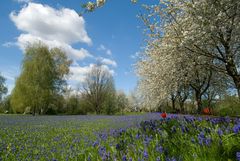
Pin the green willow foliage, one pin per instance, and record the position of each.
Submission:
(42, 78)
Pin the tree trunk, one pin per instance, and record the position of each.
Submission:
(210, 99)
(173, 104)
(34, 111)
(97, 108)
(199, 101)
(173, 99)
(232, 72)
(236, 80)
(181, 103)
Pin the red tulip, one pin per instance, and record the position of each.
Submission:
(206, 110)
(163, 115)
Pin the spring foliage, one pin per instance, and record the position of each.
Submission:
(42, 78)
(188, 41)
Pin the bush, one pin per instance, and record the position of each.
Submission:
(5, 106)
(77, 106)
(82, 108)
(51, 111)
(229, 106)
(109, 106)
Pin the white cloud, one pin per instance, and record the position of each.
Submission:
(64, 25)
(9, 76)
(101, 47)
(10, 72)
(25, 39)
(56, 28)
(109, 52)
(9, 44)
(108, 61)
(79, 73)
(106, 50)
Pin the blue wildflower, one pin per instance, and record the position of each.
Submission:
(238, 156)
(192, 140)
(124, 158)
(145, 154)
(201, 138)
(137, 136)
(159, 149)
(201, 135)
(95, 144)
(220, 132)
(118, 146)
(236, 128)
(208, 141)
(89, 158)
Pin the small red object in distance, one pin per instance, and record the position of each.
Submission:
(163, 115)
(206, 110)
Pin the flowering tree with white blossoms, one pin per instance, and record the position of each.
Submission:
(192, 39)
(211, 29)
(187, 41)
(93, 5)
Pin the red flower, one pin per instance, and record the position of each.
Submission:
(163, 115)
(206, 110)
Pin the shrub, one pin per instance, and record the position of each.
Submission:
(5, 106)
(51, 111)
(229, 106)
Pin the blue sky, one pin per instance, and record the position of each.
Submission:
(112, 34)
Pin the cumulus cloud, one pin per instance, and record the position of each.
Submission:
(107, 61)
(79, 72)
(25, 39)
(106, 50)
(54, 27)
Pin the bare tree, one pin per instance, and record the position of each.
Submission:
(96, 87)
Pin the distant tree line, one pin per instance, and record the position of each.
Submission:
(191, 61)
(41, 88)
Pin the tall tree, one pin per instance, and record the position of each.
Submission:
(206, 28)
(188, 40)
(41, 79)
(97, 86)
(122, 101)
(110, 103)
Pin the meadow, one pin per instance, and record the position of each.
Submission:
(132, 137)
